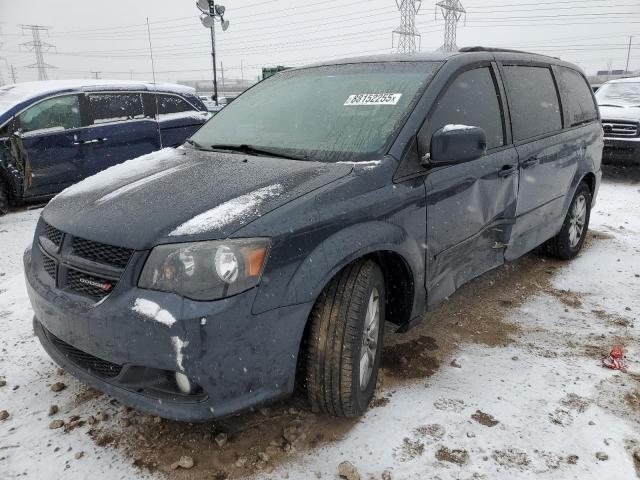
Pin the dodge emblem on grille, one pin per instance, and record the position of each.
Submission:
(102, 285)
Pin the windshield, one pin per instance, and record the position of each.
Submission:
(331, 113)
(623, 94)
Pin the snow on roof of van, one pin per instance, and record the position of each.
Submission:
(625, 80)
(11, 95)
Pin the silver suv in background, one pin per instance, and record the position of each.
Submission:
(619, 104)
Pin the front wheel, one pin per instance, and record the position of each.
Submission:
(568, 242)
(345, 341)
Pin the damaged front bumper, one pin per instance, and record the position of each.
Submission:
(237, 359)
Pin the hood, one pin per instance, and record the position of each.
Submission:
(182, 194)
(620, 113)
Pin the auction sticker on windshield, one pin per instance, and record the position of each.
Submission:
(373, 99)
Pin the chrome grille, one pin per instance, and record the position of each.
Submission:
(619, 129)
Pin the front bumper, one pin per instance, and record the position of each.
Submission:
(617, 150)
(240, 360)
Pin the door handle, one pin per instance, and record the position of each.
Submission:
(530, 162)
(507, 170)
(85, 142)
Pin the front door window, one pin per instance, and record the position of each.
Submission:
(53, 114)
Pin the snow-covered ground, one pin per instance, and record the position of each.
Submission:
(504, 382)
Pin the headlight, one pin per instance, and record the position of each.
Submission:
(205, 270)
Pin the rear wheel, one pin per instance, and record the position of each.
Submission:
(345, 341)
(4, 199)
(568, 242)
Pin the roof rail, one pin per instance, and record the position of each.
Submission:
(491, 49)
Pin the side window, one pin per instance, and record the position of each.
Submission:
(577, 94)
(115, 107)
(58, 113)
(173, 104)
(470, 100)
(533, 101)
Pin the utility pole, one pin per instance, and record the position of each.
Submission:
(211, 12)
(241, 73)
(407, 31)
(14, 77)
(626, 69)
(39, 47)
(452, 11)
(96, 75)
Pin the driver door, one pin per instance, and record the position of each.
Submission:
(470, 205)
(46, 140)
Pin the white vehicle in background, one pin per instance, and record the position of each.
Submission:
(619, 104)
(211, 105)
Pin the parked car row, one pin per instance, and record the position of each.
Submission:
(271, 248)
(55, 133)
(619, 103)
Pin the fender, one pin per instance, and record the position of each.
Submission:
(338, 250)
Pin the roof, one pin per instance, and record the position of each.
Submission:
(440, 56)
(625, 80)
(388, 57)
(21, 93)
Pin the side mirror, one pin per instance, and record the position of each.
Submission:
(456, 144)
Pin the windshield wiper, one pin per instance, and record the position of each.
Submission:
(197, 145)
(251, 150)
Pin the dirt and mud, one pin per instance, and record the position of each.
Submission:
(256, 442)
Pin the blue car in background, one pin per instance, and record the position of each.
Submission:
(55, 133)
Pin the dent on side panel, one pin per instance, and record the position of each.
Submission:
(470, 211)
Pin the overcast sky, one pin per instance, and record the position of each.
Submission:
(111, 37)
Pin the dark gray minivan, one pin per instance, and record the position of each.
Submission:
(272, 247)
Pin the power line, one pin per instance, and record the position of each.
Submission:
(39, 47)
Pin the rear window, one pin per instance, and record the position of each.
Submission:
(533, 101)
(115, 107)
(579, 101)
(173, 104)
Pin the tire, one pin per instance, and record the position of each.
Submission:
(336, 341)
(4, 199)
(568, 242)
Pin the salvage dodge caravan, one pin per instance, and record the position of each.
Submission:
(272, 247)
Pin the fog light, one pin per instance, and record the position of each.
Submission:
(184, 384)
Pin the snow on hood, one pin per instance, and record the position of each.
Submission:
(122, 173)
(227, 212)
(183, 195)
(620, 113)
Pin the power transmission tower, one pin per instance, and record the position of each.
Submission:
(407, 31)
(14, 77)
(39, 47)
(96, 75)
(452, 11)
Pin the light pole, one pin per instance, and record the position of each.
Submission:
(211, 12)
(626, 69)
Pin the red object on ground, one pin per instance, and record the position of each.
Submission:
(615, 360)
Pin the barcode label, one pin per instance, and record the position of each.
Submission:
(373, 99)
